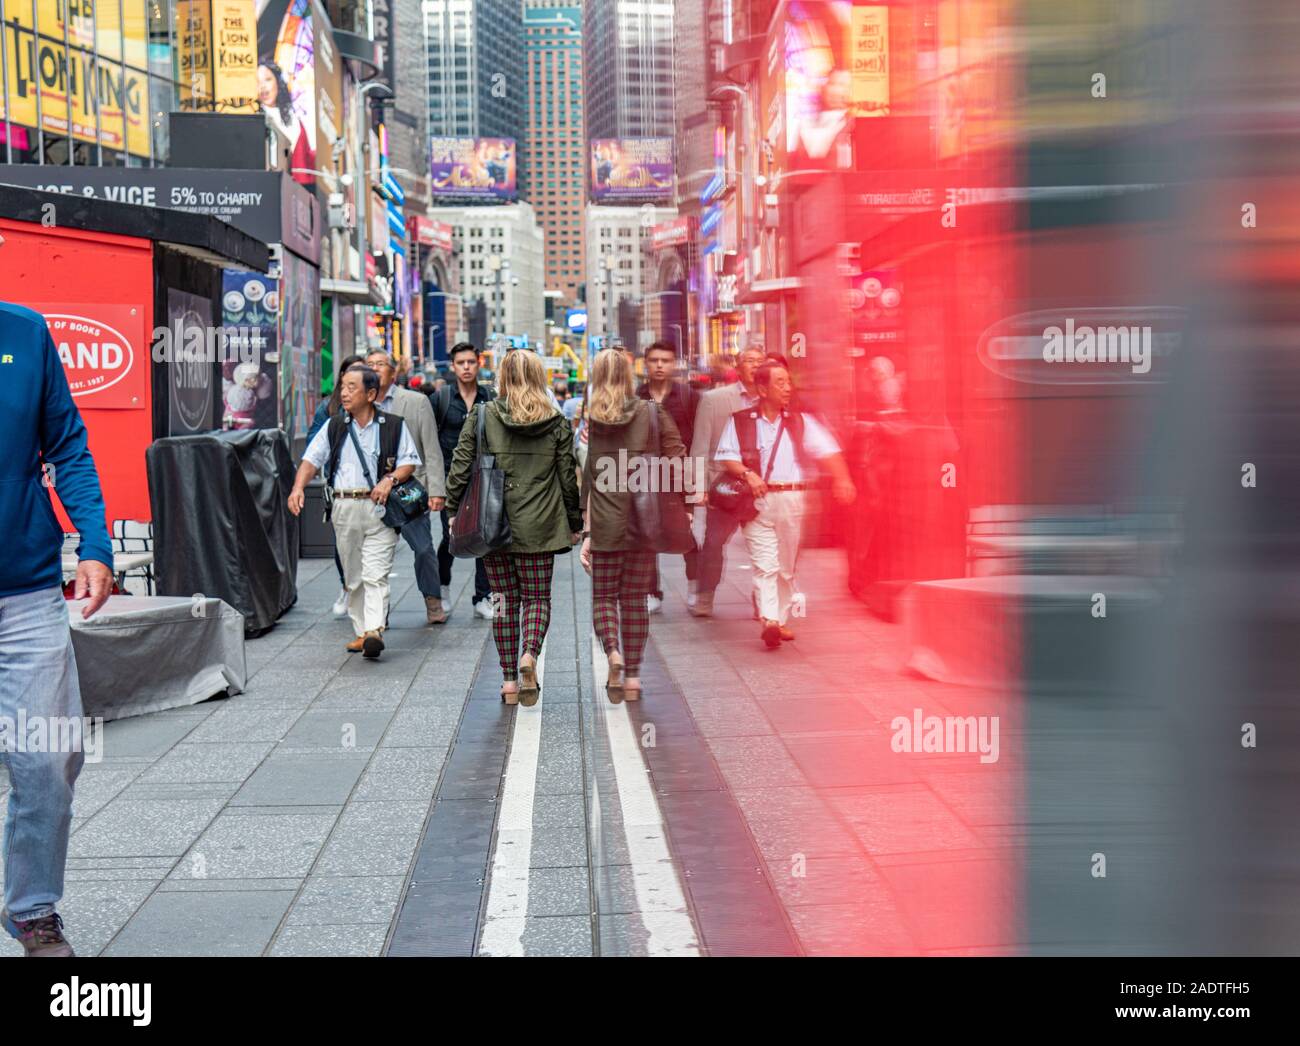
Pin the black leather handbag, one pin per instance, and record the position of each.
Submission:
(657, 520)
(731, 494)
(480, 525)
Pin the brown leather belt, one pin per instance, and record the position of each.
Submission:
(778, 487)
(356, 495)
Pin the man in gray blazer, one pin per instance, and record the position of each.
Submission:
(417, 413)
(715, 410)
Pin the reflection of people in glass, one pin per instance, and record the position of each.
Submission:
(277, 105)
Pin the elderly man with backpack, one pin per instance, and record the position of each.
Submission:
(367, 456)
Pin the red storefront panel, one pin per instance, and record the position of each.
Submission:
(96, 291)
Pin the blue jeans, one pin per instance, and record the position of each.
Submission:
(419, 535)
(37, 674)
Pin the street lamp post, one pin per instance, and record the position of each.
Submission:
(363, 166)
(607, 264)
(499, 265)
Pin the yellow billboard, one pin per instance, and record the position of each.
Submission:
(869, 57)
(216, 51)
(234, 55)
(78, 86)
(194, 53)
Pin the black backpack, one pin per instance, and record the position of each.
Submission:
(442, 404)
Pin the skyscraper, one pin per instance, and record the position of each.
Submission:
(554, 177)
(628, 48)
(475, 50)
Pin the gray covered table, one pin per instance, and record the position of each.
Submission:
(142, 654)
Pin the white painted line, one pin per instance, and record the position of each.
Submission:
(507, 906)
(661, 902)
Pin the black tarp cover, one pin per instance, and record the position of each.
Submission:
(221, 523)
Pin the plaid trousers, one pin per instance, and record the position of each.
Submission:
(620, 581)
(521, 593)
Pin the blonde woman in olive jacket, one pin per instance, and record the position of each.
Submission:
(533, 444)
(622, 574)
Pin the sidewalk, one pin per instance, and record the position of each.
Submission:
(868, 850)
(284, 820)
(750, 804)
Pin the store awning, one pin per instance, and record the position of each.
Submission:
(762, 292)
(354, 292)
(199, 235)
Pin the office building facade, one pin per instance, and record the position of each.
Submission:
(554, 177)
(500, 255)
(619, 263)
(628, 53)
(475, 63)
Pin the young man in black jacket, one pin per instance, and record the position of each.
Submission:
(451, 406)
(681, 402)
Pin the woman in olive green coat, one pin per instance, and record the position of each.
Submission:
(533, 444)
(622, 573)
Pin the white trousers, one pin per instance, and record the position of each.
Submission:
(773, 540)
(366, 550)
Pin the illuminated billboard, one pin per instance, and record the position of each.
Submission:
(286, 77)
(631, 169)
(834, 58)
(87, 64)
(474, 168)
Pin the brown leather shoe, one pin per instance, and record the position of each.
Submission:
(41, 938)
(771, 634)
(357, 645)
(703, 605)
(529, 691)
(433, 610)
(786, 633)
(372, 645)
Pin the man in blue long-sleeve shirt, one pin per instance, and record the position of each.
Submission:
(45, 446)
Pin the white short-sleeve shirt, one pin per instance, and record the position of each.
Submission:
(349, 474)
(817, 444)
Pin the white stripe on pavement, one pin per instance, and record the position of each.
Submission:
(661, 903)
(507, 906)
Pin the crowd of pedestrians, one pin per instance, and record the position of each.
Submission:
(515, 475)
(742, 456)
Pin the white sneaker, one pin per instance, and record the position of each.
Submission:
(483, 609)
(340, 607)
(446, 605)
(653, 604)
